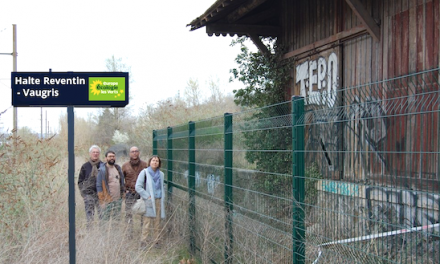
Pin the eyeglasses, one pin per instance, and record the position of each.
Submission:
(133, 151)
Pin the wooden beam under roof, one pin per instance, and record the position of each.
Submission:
(232, 29)
(243, 10)
(362, 13)
(257, 41)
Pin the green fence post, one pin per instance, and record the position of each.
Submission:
(170, 163)
(154, 142)
(228, 135)
(298, 232)
(192, 184)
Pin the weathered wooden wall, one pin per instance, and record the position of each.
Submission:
(409, 35)
(395, 143)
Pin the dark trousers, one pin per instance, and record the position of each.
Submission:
(90, 203)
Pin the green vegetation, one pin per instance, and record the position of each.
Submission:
(312, 177)
(34, 224)
(31, 193)
(265, 79)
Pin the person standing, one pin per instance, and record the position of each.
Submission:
(87, 184)
(150, 186)
(131, 170)
(110, 186)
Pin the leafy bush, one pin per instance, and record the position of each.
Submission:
(312, 175)
(30, 188)
(265, 78)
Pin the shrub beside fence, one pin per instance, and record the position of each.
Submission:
(353, 178)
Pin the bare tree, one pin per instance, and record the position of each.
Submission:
(216, 94)
(116, 65)
(192, 93)
(112, 119)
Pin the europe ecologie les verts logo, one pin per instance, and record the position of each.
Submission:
(106, 89)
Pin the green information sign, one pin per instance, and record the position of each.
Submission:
(107, 89)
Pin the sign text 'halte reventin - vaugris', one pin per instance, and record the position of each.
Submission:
(44, 93)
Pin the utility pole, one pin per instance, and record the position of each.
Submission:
(14, 69)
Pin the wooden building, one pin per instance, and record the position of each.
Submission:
(351, 55)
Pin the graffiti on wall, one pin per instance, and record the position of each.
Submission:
(387, 207)
(318, 79)
(341, 188)
(404, 207)
(323, 138)
(367, 122)
(363, 116)
(197, 178)
(365, 134)
(211, 180)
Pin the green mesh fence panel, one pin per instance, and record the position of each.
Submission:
(371, 178)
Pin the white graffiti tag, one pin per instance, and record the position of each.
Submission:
(321, 73)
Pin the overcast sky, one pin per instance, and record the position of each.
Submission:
(150, 36)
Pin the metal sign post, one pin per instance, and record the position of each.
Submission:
(95, 89)
(71, 172)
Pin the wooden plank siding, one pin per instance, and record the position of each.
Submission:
(407, 145)
(412, 49)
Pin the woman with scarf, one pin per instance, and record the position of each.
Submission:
(150, 186)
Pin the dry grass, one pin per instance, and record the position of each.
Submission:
(34, 225)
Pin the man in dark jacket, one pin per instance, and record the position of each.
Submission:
(87, 183)
(131, 170)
